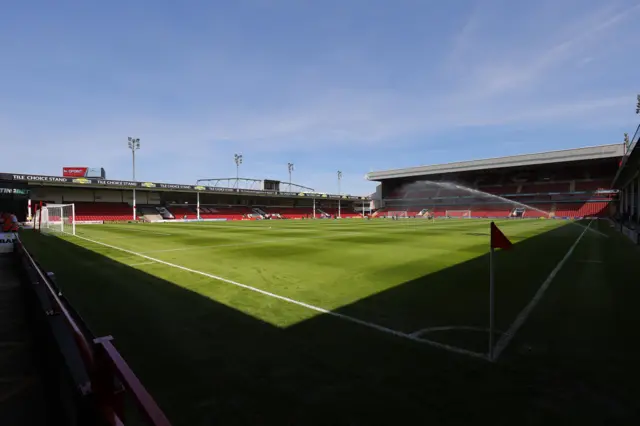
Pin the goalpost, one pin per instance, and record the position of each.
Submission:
(398, 214)
(459, 214)
(56, 218)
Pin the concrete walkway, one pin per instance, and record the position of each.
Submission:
(21, 395)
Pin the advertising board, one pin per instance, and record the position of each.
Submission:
(101, 182)
(7, 240)
(80, 172)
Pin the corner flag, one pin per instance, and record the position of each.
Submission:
(498, 240)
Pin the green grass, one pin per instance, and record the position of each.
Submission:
(210, 351)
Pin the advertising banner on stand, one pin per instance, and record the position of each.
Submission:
(89, 172)
(74, 177)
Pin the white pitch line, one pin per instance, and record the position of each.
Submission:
(595, 231)
(506, 338)
(299, 303)
(119, 237)
(142, 263)
(449, 328)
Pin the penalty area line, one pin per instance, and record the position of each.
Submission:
(506, 338)
(298, 303)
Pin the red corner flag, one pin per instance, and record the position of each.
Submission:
(498, 239)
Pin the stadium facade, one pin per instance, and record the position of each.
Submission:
(98, 199)
(627, 181)
(567, 183)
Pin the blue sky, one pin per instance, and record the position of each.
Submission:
(350, 85)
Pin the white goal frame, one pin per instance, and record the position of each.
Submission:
(459, 214)
(399, 213)
(54, 218)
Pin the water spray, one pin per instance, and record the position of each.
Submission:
(452, 186)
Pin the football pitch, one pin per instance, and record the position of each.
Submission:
(362, 322)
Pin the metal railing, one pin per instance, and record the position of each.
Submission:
(107, 371)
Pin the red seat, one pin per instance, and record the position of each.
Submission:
(292, 212)
(598, 209)
(545, 187)
(103, 211)
(211, 212)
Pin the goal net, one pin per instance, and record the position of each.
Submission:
(459, 214)
(56, 218)
(402, 214)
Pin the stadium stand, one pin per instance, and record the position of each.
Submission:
(568, 184)
(292, 212)
(592, 185)
(447, 193)
(122, 212)
(229, 213)
(627, 181)
(181, 212)
(597, 209)
(103, 211)
(343, 212)
(398, 193)
(544, 187)
(486, 210)
(500, 190)
(211, 212)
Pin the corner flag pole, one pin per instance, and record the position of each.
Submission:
(498, 240)
(492, 302)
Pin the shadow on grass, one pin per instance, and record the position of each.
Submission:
(458, 295)
(207, 363)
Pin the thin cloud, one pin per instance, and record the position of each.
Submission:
(531, 57)
(197, 95)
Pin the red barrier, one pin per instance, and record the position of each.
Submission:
(103, 363)
(111, 359)
(80, 339)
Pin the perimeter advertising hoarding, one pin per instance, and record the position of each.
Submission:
(83, 181)
(88, 172)
(7, 239)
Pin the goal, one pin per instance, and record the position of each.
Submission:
(459, 214)
(56, 218)
(399, 214)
